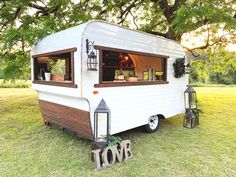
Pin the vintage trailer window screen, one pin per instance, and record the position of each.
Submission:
(60, 65)
(119, 68)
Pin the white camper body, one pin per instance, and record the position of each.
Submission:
(132, 104)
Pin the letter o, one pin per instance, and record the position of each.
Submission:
(105, 156)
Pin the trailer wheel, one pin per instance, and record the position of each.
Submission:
(153, 124)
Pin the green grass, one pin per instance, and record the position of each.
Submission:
(28, 148)
(199, 84)
(15, 84)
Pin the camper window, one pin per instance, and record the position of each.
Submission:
(55, 68)
(119, 68)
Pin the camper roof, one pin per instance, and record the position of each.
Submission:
(73, 36)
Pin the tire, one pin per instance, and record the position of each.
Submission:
(153, 124)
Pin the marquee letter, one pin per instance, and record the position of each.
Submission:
(127, 146)
(105, 156)
(119, 152)
(96, 157)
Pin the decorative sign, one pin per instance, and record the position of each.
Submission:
(110, 155)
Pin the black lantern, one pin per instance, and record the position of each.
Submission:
(190, 100)
(92, 56)
(189, 119)
(101, 123)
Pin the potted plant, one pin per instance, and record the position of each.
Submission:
(47, 75)
(159, 75)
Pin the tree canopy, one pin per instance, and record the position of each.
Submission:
(22, 23)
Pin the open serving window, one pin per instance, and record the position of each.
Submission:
(120, 68)
(55, 68)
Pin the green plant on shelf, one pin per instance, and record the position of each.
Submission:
(114, 140)
(158, 73)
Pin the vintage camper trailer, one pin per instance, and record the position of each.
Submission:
(131, 70)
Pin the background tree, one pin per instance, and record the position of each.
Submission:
(219, 69)
(24, 22)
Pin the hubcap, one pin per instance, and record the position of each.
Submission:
(153, 122)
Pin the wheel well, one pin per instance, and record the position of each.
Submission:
(161, 116)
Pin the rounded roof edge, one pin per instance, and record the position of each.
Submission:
(86, 24)
(105, 22)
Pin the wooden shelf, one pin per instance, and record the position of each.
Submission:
(118, 67)
(122, 84)
(111, 57)
(56, 83)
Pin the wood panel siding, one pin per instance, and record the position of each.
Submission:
(73, 119)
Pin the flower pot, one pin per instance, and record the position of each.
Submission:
(159, 77)
(47, 76)
(57, 77)
(131, 79)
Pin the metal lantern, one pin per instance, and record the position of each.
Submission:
(189, 119)
(92, 61)
(101, 123)
(190, 98)
(92, 56)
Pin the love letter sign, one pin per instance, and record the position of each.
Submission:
(110, 155)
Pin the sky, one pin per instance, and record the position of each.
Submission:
(231, 47)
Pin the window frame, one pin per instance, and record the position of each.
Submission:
(56, 83)
(121, 84)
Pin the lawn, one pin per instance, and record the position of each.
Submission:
(28, 148)
(15, 84)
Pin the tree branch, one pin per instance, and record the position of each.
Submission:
(45, 11)
(4, 5)
(83, 5)
(176, 5)
(208, 44)
(125, 13)
(156, 32)
(35, 6)
(134, 20)
(169, 14)
(16, 15)
(163, 4)
(159, 33)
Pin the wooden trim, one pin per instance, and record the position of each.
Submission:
(100, 66)
(72, 67)
(34, 68)
(68, 64)
(129, 51)
(122, 84)
(55, 52)
(165, 69)
(56, 83)
(71, 63)
(76, 120)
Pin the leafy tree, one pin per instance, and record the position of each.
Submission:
(1, 75)
(219, 69)
(24, 22)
